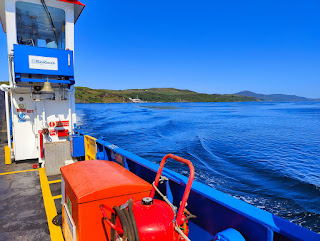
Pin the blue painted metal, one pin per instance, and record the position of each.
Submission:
(168, 191)
(77, 146)
(229, 234)
(198, 233)
(70, 81)
(215, 211)
(21, 61)
(126, 164)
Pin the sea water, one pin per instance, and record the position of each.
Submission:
(264, 153)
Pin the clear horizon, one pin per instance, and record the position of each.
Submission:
(205, 46)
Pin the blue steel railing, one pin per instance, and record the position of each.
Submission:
(215, 211)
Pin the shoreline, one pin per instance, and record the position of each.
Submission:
(258, 101)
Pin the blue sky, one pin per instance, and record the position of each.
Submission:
(207, 46)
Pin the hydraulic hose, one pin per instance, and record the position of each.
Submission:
(128, 223)
(133, 220)
(123, 221)
(130, 226)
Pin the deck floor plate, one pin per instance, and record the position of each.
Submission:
(23, 215)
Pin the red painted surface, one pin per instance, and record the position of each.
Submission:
(155, 221)
(88, 184)
(188, 187)
(62, 123)
(62, 133)
(21, 110)
(73, 2)
(108, 221)
(78, 8)
(53, 132)
(41, 143)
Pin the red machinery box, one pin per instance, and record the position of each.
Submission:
(86, 185)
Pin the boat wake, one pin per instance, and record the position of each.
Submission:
(264, 154)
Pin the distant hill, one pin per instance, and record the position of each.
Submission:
(87, 95)
(273, 97)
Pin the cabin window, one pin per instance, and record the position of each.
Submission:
(40, 25)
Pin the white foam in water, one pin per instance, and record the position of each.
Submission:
(266, 154)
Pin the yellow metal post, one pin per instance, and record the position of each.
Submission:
(7, 155)
(90, 147)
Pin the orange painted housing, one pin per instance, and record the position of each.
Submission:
(86, 185)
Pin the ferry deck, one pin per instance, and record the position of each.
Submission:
(42, 120)
(29, 199)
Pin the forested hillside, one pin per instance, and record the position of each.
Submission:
(87, 95)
